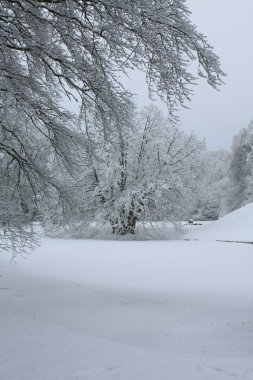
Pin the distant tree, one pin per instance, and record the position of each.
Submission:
(240, 181)
(212, 179)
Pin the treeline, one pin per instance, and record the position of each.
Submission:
(226, 181)
(117, 172)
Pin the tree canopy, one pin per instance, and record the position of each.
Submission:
(51, 50)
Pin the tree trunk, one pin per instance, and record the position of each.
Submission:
(125, 226)
(131, 222)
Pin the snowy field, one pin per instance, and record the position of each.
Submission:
(132, 310)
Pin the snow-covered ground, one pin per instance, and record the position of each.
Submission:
(237, 226)
(131, 310)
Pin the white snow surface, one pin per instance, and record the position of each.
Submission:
(131, 310)
(236, 226)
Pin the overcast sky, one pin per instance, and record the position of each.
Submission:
(217, 116)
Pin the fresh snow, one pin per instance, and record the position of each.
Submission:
(131, 310)
(236, 226)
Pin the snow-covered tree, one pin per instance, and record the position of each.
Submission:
(56, 49)
(27, 160)
(142, 171)
(16, 209)
(52, 47)
(240, 181)
(212, 173)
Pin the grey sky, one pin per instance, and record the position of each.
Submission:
(217, 116)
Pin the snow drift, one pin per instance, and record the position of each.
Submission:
(236, 226)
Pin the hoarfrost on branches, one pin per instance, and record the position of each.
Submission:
(143, 171)
(53, 49)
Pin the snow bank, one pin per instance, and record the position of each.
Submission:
(236, 226)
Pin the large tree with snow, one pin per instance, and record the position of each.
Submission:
(51, 50)
(142, 171)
